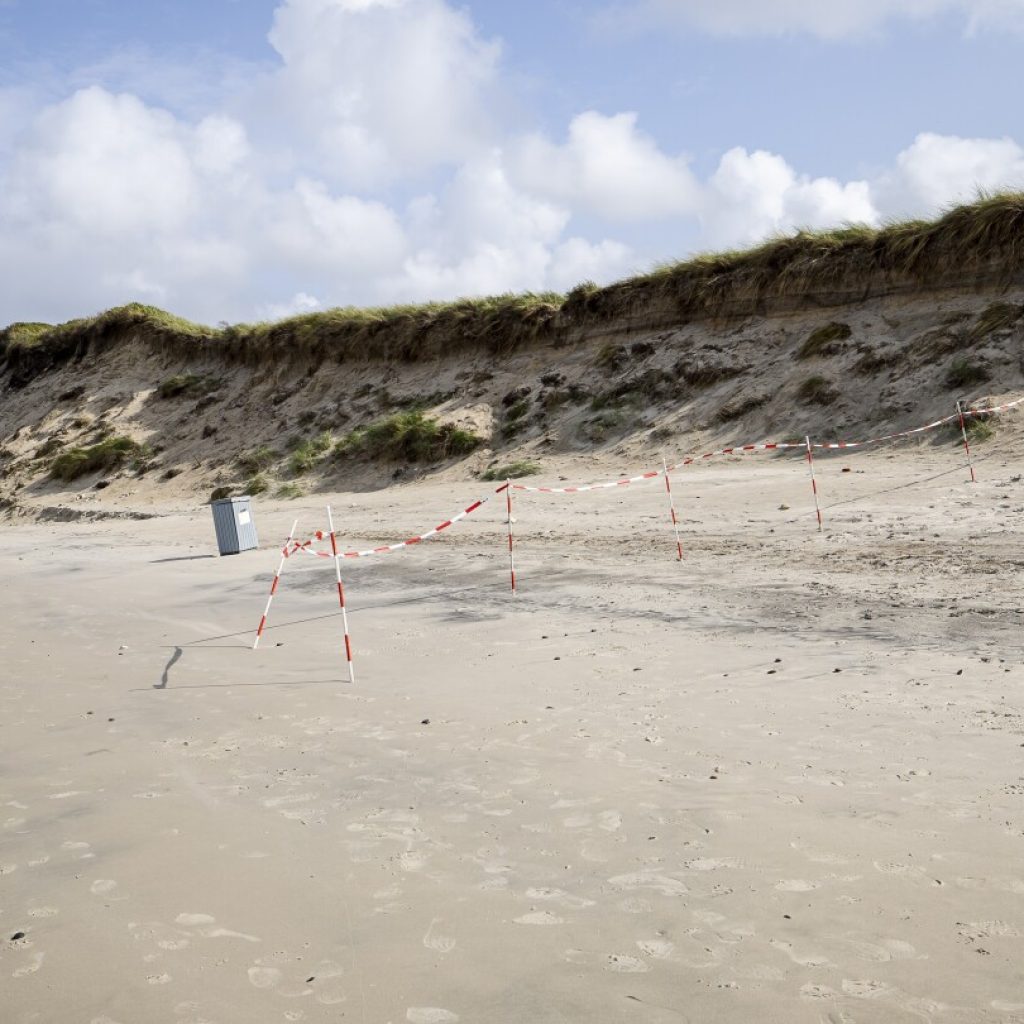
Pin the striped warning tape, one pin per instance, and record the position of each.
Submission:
(920, 430)
(766, 447)
(590, 487)
(739, 449)
(306, 547)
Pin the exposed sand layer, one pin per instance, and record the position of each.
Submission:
(781, 781)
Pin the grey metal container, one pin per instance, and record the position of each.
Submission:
(232, 519)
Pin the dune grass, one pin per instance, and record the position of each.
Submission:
(108, 454)
(978, 241)
(822, 341)
(512, 470)
(408, 437)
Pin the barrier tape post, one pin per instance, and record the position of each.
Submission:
(273, 586)
(672, 510)
(814, 483)
(511, 555)
(341, 597)
(967, 447)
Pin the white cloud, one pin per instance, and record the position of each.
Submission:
(753, 195)
(828, 19)
(339, 234)
(382, 87)
(608, 167)
(940, 169)
(481, 236)
(105, 163)
(300, 302)
(576, 260)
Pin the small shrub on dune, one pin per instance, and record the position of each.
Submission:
(818, 391)
(185, 385)
(512, 471)
(409, 437)
(306, 454)
(108, 454)
(257, 459)
(995, 317)
(824, 340)
(979, 430)
(289, 491)
(257, 485)
(964, 374)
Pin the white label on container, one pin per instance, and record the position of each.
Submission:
(243, 517)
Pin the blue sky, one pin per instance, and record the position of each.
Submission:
(241, 159)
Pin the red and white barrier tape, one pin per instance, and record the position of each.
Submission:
(589, 487)
(766, 447)
(920, 430)
(306, 547)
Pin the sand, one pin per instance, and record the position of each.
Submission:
(780, 781)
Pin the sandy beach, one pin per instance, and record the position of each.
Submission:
(780, 781)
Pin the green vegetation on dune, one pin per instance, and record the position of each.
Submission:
(512, 471)
(108, 454)
(409, 437)
(979, 241)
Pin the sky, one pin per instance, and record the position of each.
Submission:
(239, 160)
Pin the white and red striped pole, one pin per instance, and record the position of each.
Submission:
(963, 434)
(273, 586)
(511, 555)
(672, 510)
(814, 483)
(341, 597)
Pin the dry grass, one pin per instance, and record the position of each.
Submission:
(817, 390)
(980, 242)
(995, 317)
(824, 341)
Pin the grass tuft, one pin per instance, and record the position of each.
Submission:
(108, 454)
(289, 491)
(979, 430)
(409, 437)
(964, 374)
(822, 342)
(512, 471)
(306, 454)
(187, 384)
(995, 317)
(257, 460)
(818, 390)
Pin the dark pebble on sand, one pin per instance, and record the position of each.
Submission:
(312, 977)
(426, 721)
(17, 935)
(959, 671)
